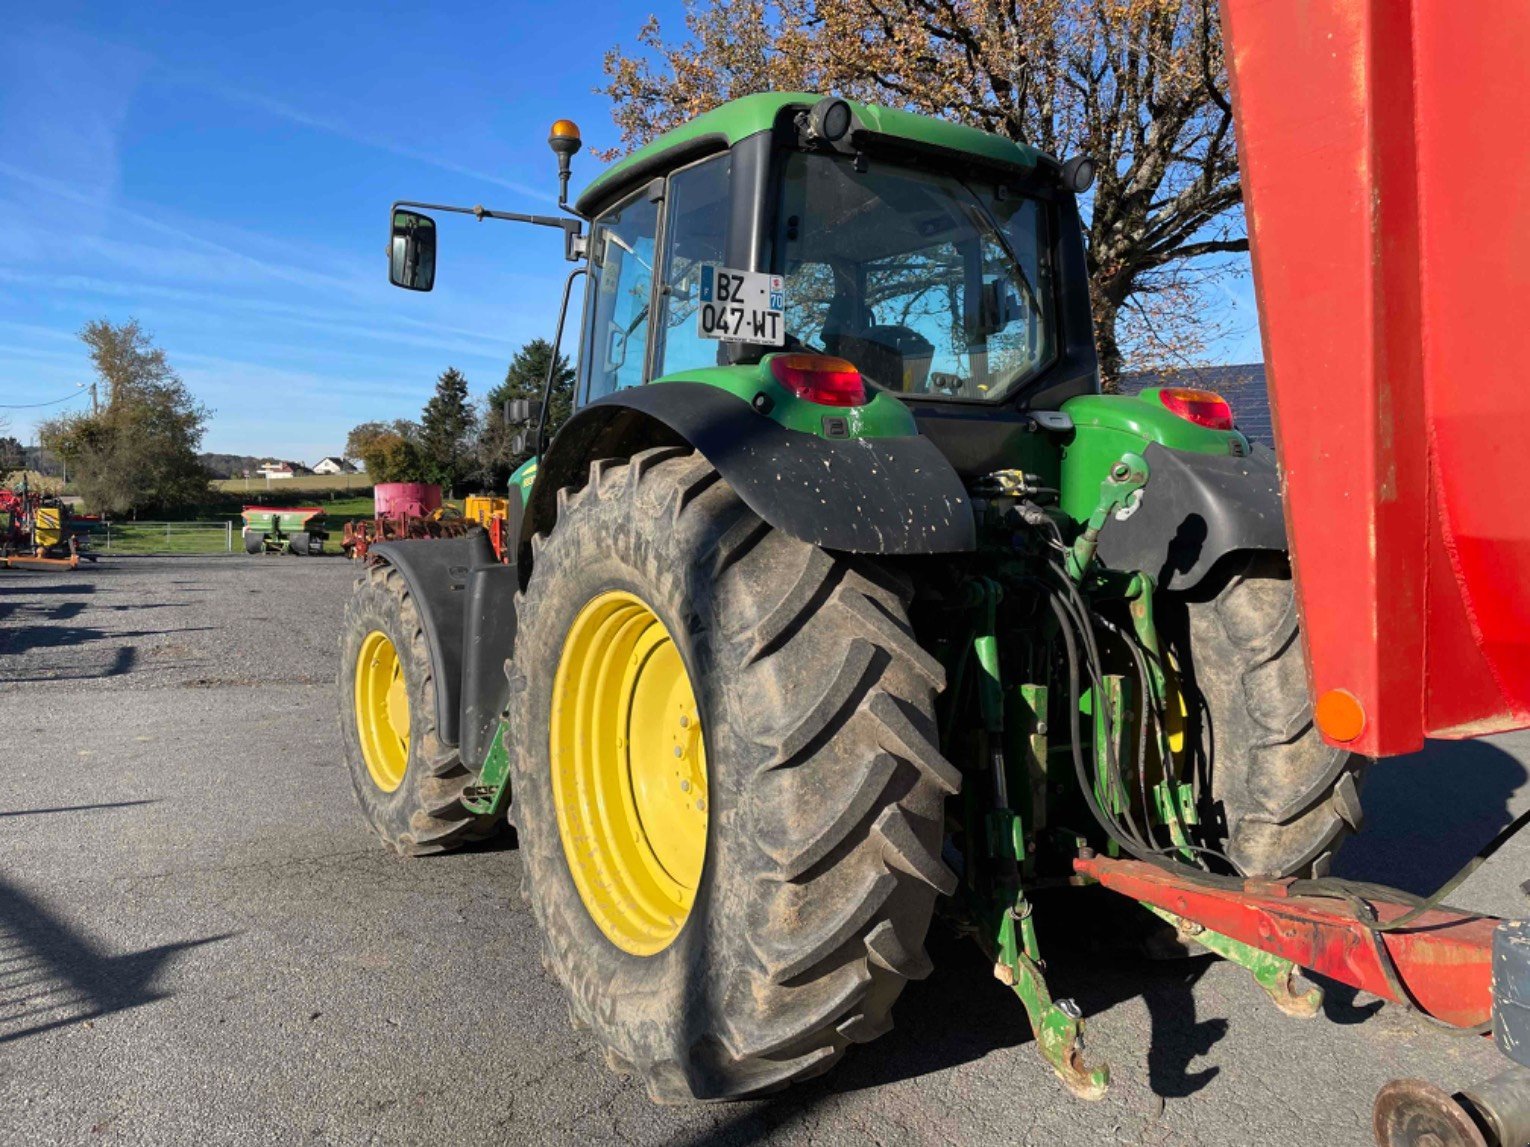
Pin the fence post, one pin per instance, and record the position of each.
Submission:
(228, 536)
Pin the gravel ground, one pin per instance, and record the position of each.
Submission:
(200, 943)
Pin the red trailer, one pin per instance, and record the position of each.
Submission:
(1385, 192)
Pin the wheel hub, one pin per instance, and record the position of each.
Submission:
(382, 711)
(629, 772)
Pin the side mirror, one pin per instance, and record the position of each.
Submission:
(412, 251)
(520, 411)
(997, 308)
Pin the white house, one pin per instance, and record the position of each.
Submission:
(333, 465)
(269, 470)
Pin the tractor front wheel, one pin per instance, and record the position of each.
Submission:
(728, 790)
(408, 782)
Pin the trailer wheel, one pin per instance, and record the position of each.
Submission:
(254, 543)
(408, 783)
(1285, 797)
(728, 790)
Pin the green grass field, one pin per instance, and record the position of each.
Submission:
(165, 538)
(346, 484)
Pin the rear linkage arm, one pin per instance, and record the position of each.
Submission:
(1010, 936)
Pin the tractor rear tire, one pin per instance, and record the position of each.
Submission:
(1286, 797)
(822, 772)
(410, 790)
(254, 543)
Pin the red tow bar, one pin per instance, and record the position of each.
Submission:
(1443, 959)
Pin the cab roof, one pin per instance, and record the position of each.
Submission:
(738, 119)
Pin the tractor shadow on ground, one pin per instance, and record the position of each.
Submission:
(78, 648)
(1428, 813)
(53, 976)
(1093, 944)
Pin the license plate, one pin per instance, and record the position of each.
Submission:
(741, 306)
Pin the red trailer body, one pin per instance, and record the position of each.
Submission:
(1388, 197)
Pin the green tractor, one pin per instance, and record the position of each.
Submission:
(842, 592)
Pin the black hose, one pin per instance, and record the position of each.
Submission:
(1436, 899)
(1078, 610)
(1142, 732)
(1108, 823)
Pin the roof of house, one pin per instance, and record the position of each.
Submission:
(1243, 386)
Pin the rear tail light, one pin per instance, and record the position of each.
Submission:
(1202, 407)
(820, 378)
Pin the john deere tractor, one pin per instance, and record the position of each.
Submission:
(842, 592)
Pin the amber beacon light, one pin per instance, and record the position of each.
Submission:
(565, 142)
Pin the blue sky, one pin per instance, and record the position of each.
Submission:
(222, 172)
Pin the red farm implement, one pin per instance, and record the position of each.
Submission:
(38, 532)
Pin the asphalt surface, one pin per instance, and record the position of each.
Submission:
(201, 943)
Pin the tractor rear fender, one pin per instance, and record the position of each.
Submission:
(440, 572)
(1196, 509)
(861, 495)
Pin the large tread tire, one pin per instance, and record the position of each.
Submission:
(1286, 797)
(424, 815)
(825, 779)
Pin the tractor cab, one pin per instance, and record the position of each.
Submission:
(934, 262)
(841, 253)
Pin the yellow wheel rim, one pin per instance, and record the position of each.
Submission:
(629, 772)
(382, 711)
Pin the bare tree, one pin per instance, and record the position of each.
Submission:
(1141, 85)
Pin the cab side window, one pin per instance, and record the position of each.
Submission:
(695, 234)
(622, 249)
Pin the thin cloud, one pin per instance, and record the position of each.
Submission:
(312, 279)
(291, 114)
(360, 323)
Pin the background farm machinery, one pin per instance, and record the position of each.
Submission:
(296, 530)
(415, 510)
(38, 531)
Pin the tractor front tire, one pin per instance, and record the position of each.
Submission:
(1284, 797)
(800, 908)
(408, 782)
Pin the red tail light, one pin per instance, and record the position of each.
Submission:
(1202, 407)
(820, 378)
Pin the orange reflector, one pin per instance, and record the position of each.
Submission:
(1202, 407)
(820, 378)
(1340, 716)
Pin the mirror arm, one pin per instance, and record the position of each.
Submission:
(552, 365)
(573, 247)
